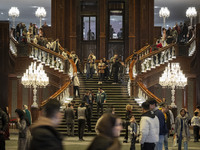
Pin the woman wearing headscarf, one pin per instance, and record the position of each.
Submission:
(108, 130)
(24, 133)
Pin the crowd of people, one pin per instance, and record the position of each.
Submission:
(106, 69)
(152, 132)
(180, 33)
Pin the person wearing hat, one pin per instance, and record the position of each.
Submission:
(163, 127)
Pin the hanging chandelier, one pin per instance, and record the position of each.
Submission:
(191, 13)
(40, 13)
(173, 77)
(35, 77)
(164, 13)
(13, 12)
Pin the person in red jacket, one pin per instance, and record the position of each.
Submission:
(159, 45)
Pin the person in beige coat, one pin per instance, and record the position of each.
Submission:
(182, 129)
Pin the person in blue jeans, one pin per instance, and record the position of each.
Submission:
(182, 129)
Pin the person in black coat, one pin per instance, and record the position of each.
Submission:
(3, 127)
(44, 134)
(115, 67)
(69, 118)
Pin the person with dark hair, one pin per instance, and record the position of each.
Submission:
(86, 98)
(44, 133)
(82, 114)
(108, 129)
(100, 100)
(69, 118)
(182, 129)
(106, 74)
(196, 125)
(24, 133)
(91, 100)
(149, 128)
(7, 133)
(163, 127)
(115, 70)
(88, 117)
(164, 109)
(3, 127)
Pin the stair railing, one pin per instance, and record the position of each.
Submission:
(137, 88)
(63, 93)
(13, 47)
(157, 58)
(47, 57)
(192, 46)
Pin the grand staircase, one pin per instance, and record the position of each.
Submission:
(117, 95)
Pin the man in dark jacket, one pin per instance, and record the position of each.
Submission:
(163, 127)
(44, 134)
(100, 100)
(3, 127)
(69, 118)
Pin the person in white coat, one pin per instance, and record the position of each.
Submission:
(76, 85)
(149, 128)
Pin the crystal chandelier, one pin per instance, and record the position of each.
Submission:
(13, 12)
(173, 77)
(40, 13)
(190, 13)
(35, 77)
(164, 13)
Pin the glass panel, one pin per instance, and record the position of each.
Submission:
(116, 25)
(85, 28)
(93, 28)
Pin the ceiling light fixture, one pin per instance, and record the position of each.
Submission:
(191, 13)
(40, 13)
(164, 13)
(13, 12)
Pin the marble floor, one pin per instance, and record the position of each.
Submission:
(72, 143)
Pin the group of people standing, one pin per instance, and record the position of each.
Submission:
(84, 112)
(106, 69)
(23, 121)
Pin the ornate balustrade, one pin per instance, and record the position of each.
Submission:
(47, 57)
(13, 47)
(146, 60)
(157, 58)
(192, 47)
(53, 60)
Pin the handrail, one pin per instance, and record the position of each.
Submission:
(143, 49)
(56, 93)
(63, 49)
(150, 94)
(131, 70)
(47, 50)
(138, 52)
(157, 51)
(140, 84)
